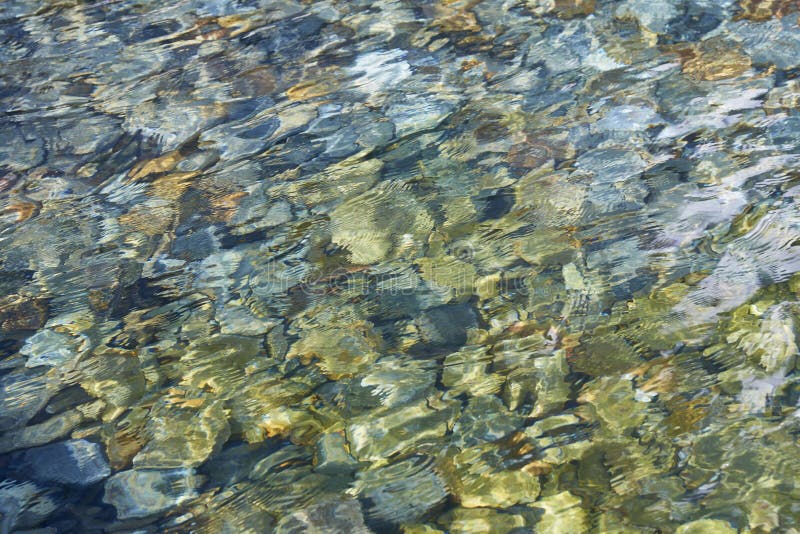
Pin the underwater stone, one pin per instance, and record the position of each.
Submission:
(774, 344)
(140, 493)
(19, 312)
(556, 199)
(697, 19)
(562, 513)
(597, 356)
(715, 60)
(494, 203)
(773, 42)
(651, 15)
(706, 526)
(25, 504)
(256, 212)
(20, 150)
(485, 419)
(628, 119)
(115, 378)
(391, 382)
(546, 246)
(613, 399)
(50, 429)
(192, 244)
(374, 436)
(786, 133)
(183, 436)
(235, 318)
(480, 485)
(380, 224)
(446, 326)
(551, 388)
(471, 520)
(50, 348)
(418, 113)
(379, 70)
(562, 49)
(466, 371)
(335, 516)
(75, 462)
(22, 394)
(336, 183)
(341, 352)
(611, 164)
(566, 9)
(419, 528)
(561, 437)
(331, 455)
(446, 275)
(402, 492)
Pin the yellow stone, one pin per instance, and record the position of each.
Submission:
(172, 186)
(311, 89)
(762, 10)
(562, 513)
(715, 60)
(341, 352)
(480, 520)
(706, 526)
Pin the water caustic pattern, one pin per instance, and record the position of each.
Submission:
(400, 266)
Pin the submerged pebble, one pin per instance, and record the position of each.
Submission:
(139, 493)
(74, 462)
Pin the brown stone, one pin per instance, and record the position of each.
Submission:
(19, 312)
(762, 10)
(567, 9)
(713, 60)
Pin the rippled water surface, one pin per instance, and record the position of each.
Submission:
(399, 266)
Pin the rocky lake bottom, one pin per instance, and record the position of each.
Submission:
(451, 266)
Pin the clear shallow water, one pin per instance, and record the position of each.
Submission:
(399, 266)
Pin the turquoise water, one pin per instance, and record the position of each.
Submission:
(399, 266)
